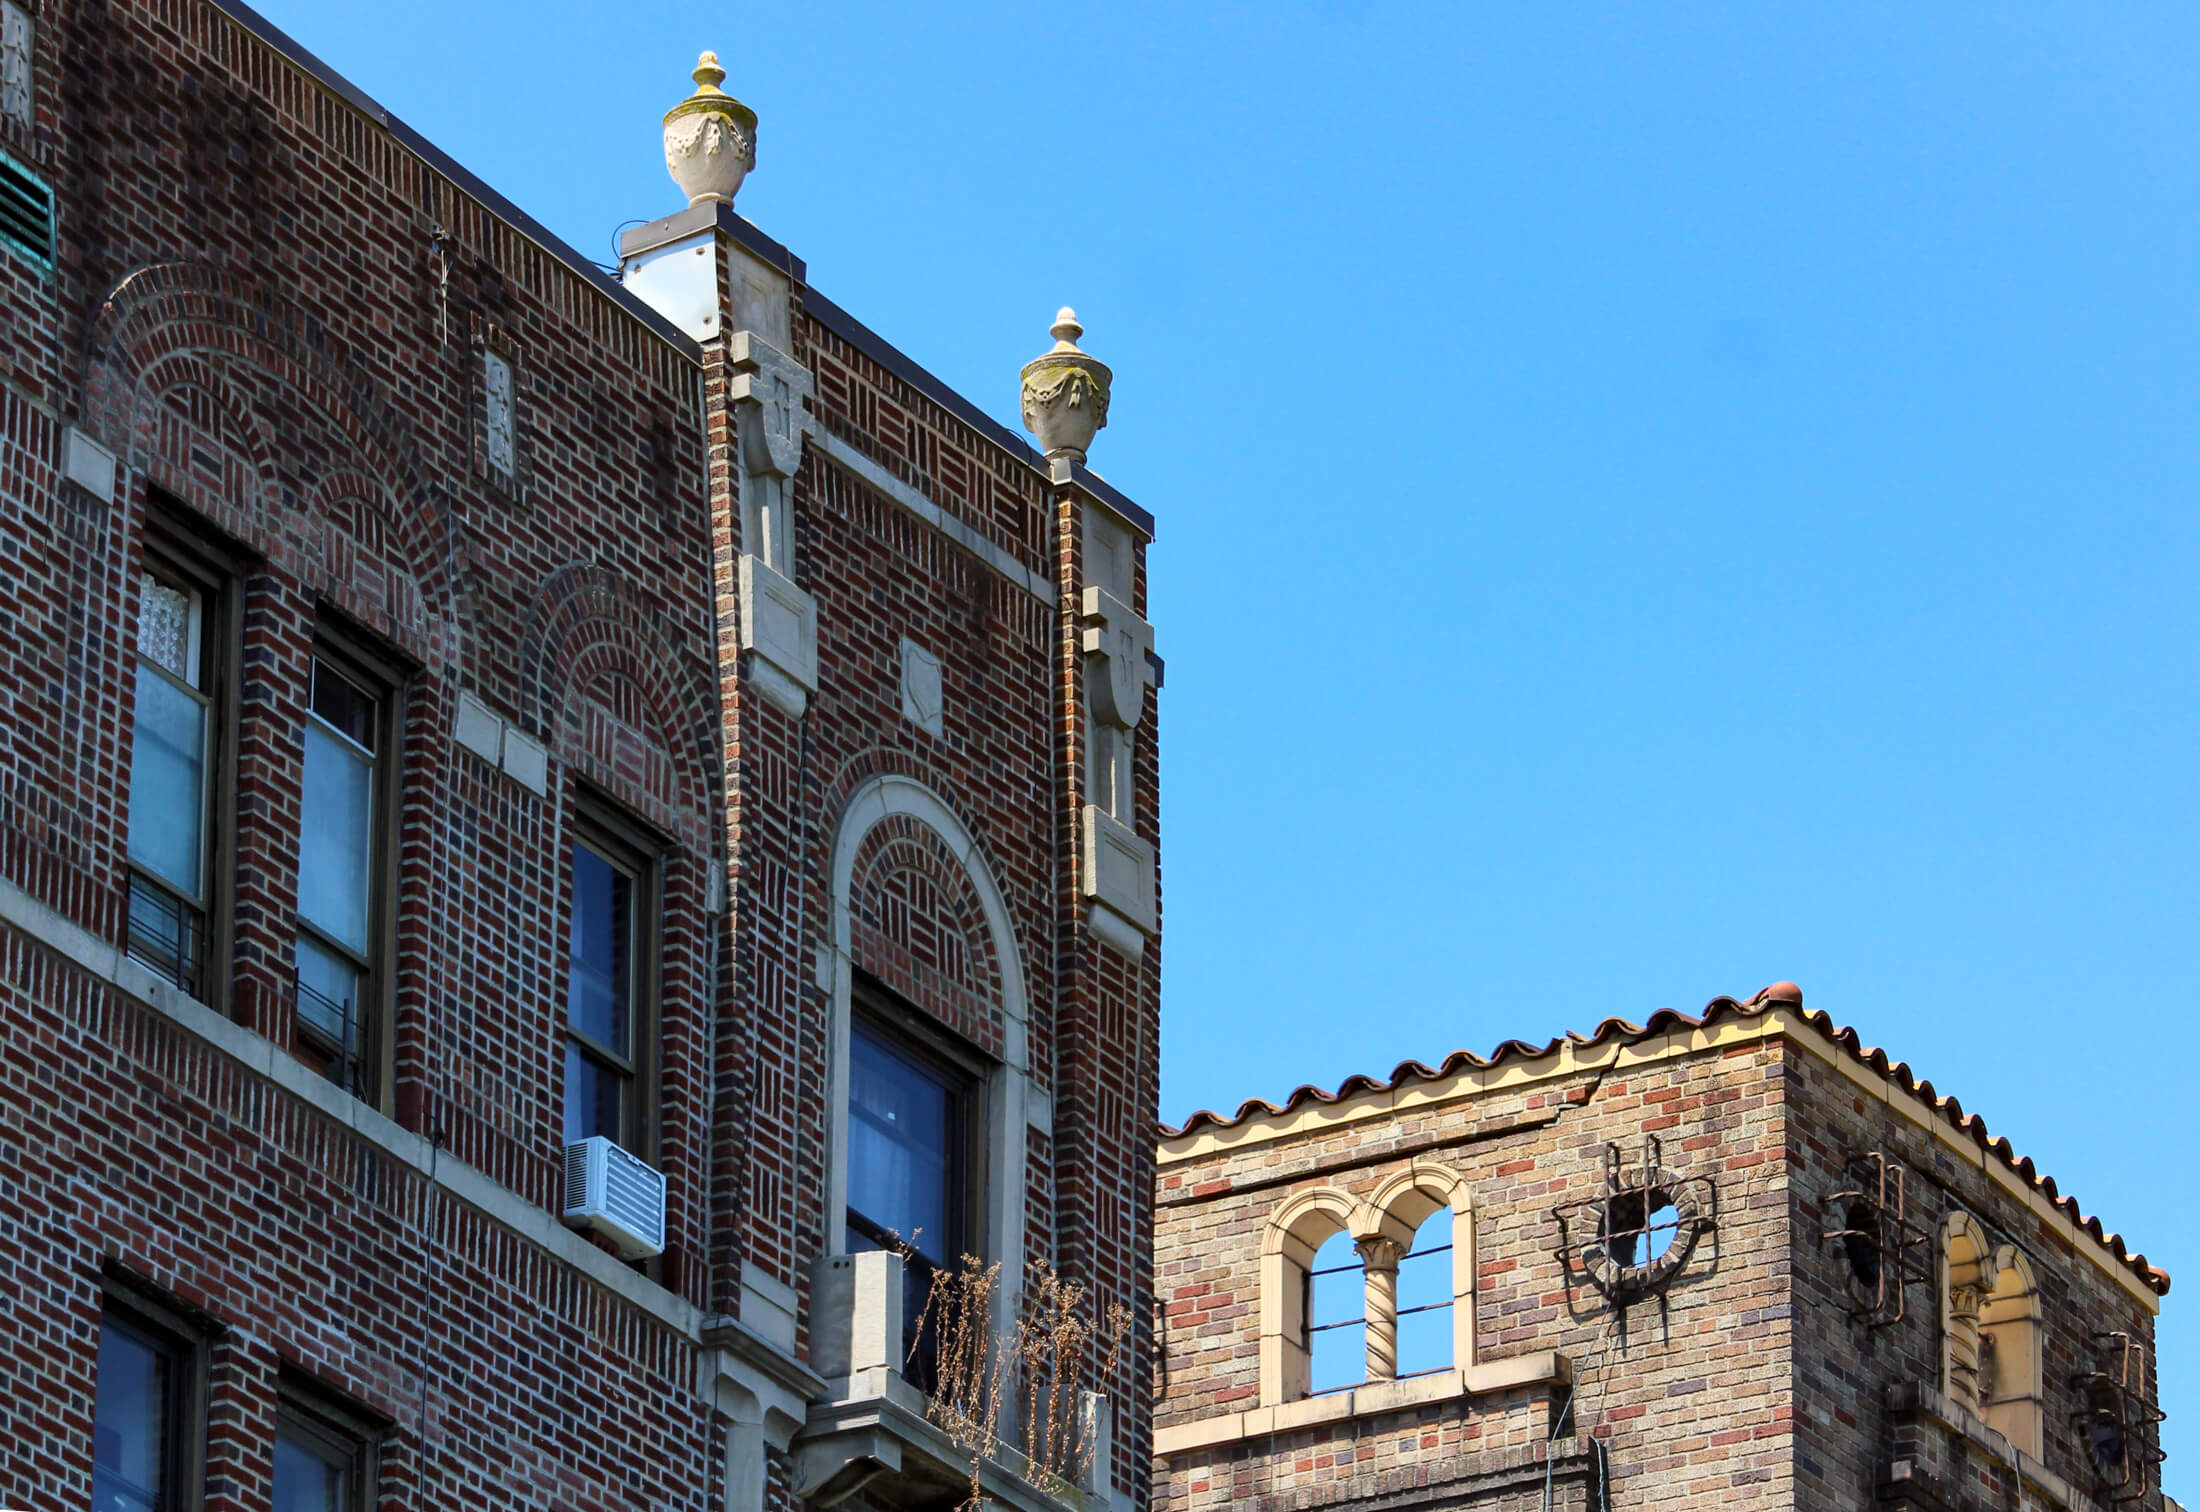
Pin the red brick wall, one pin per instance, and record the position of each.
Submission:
(255, 311)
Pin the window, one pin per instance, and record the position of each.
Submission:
(1336, 1316)
(1426, 1296)
(324, 1458)
(145, 1452)
(345, 799)
(608, 985)
(912, 1116)
(178, 745)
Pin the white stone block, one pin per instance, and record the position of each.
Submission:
(527, 762)
(89, 465)
(477, 729)
(1116, 643)
(856, 1314)
(779, 632)
(922, 701)
(1119, 870)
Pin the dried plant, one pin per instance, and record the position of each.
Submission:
(1053, 1345)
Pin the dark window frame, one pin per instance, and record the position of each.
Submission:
(352, 655)
(184, 1343)
(638, 851)
(879, 1011)
(176, 549)
(333, 1429)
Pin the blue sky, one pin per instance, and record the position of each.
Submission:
(1654, 500)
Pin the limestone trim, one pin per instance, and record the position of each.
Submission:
(883, 483)
(1572, 1058)
(1547, 1368)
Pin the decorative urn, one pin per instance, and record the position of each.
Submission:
(1065, 393)
(710, 138)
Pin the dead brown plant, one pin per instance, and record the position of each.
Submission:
(1053, 1345)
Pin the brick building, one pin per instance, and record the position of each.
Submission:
(562, 838)
(1730, 1260)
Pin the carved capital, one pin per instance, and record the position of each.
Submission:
(1380, 1254)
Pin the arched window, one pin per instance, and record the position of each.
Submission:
(1312, 1231)
(1992, 1357)
(1421, 1314)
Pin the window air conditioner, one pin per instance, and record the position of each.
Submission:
(618, 1196)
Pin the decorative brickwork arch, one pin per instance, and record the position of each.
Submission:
(604, 686)
(921, 837)
(917, 923)
(178, 343)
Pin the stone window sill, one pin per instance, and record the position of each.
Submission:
(1545, 1369)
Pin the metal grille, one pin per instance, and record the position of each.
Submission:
(2120, 1425)
(26, 214)
(331, 1019)
(167, 934)
(1633, 1237)
(1887, 1254)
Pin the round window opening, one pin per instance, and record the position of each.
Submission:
(1641, 1228)
(1644, 1235)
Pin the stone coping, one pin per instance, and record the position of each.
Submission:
(1548, 1368)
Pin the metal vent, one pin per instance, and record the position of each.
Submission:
(617, 1195)
(26, 214)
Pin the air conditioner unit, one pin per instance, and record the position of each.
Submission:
(617, 1195)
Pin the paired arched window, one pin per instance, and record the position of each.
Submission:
(1367, 1290)
(1992, 1360)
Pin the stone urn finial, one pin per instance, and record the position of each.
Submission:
(710, 138)
(1066, 392)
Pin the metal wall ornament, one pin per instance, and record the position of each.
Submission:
(1885, 1251)
(1631, 1239)
(2119, 1423)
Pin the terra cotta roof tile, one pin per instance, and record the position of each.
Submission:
(1664, 1021)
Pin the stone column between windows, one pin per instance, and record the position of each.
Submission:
(1380, 1257)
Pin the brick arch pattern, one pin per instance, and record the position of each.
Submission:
(864, 768)
(603, 683)
(178, 347)
(917, 924)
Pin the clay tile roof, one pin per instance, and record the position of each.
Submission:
(1718, 1010)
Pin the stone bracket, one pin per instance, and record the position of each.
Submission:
(1118, 880)
(779, 635)
(1118, 647)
